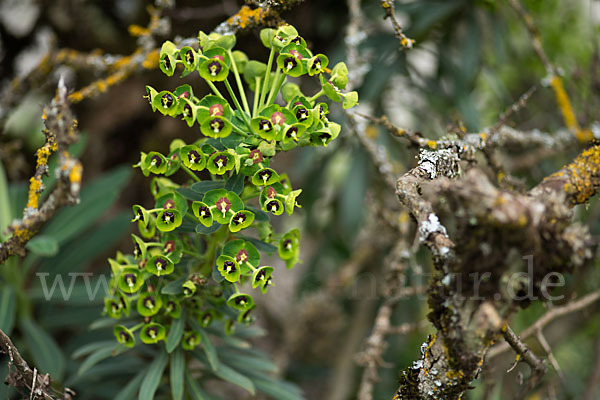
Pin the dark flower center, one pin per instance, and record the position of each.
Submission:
(273, 205)
(265, 125)
(292, 133)
(168, 216)
(171, 306)
(114, 307)
(187, 110)
(287, 243)
(214, 68)
(167, 100)
(194, 156)
(241, 300)
(169, 204)
(189, 57)
(290, 63)
(203, 211)
(125, 337)
(187, 291)
(239, 218)
(167, 62)
(206, 319)
(302, 114)
(160, 264)
(136, 250)
(316, 64)
(152, 332)
(216, 125)
(156, 161)
(220, 161)
(149, 302)
(229, 266)
(192, 340)
(130, 279)
(265, 175)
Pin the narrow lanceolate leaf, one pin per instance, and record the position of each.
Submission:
(177, 370)
(7, 309)
(193, 388)
(128, 392)
(231, 375)
(5, 213)
(209, 349)
(95, 357)
(152, 378)
(46, 354)
(43, 245)
(175, 332)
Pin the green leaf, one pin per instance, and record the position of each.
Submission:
(191, 194)
(175, 333)
(96, 198)
(128, 392)
(279, 390)
(8, 307)
(46, 354)
(247, 360)
(177, 370)
(235, 183)
(209, 349)
(205, 186)
(203, 230)
(231, 375)
(95, 357)
(153, 377)
(193, 388)
(174, 288)
(259, 244)
(5, 213)
(91, 347)
(43, 245)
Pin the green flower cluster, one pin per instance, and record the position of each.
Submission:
(192, 253)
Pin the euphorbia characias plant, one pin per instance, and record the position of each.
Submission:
(195, 251)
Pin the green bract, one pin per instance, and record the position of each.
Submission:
(124, 336)
(188, 264)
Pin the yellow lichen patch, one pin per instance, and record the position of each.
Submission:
(432, 144)
(35, 188)
(583, 175)
(483, 136)
(75, 174)
(371, 132)
(75, 97)
(23, 234)
(455, 374)
(151, 60)
(101, 85)
(245, 17)
(136, 30)
(567, 110)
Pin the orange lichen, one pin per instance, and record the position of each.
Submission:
(432, 144)
(583, 175)
(151, 61)
(371, 132)
(35, 188)
(567, 111)
(246, 17)
(75, 174)
(136, 30)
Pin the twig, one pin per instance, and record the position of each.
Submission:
(61, 131)
(388, 7)
(515, 107)
(538, 369)
(24, 376)
(542, 339)
(550, 316)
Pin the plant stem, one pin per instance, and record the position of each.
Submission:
(256, 95)
(190, 172)
(266, 80)
(279, 79)
(239, 83)
(193, 254)
(237, 103)
(316, 96)
(215, 90)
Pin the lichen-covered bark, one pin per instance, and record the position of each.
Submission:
(472, 294)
